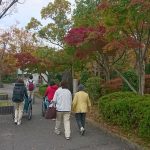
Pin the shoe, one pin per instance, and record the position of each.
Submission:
(82, 130)
(15, 121)
(54, 119)
(67, 138)
(57, 132)
(19, 123)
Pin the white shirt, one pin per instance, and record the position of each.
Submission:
(63, 99)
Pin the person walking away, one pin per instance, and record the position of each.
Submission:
(30, 84)
(19, 91)
(81, 105)
(49, 93)
(63, 100)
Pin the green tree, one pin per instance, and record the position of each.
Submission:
(129, 22)
(57, 12)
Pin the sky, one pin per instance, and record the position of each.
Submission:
(24, 12)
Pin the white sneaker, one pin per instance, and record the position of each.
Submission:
(19, 123)
(67, 138)
(57, 132)
(82, 130)
(15, 121)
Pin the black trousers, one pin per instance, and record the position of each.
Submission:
(80, 118)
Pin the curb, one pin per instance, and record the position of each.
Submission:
(133, 145)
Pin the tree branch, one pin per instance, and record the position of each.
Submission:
(132, 32)
(147, 43)
(119, 58)
(11, 4)
(123, 78)
(0, 2)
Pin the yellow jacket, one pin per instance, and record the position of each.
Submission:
(81, 102)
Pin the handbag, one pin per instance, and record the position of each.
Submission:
(51, 113)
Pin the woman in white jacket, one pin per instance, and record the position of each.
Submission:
(63, 101)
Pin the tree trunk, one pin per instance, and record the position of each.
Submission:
(67, 76)
(107, 74)
(141, 76)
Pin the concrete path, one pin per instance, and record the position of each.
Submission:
(38, 134)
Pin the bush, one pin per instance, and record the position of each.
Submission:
(127, 110)
(8, 79)
(93, 88)
(147, 69)
(113, 85)
(147, 84)
(42, 89)
(132, 78)
(117, 84)
(84, 76)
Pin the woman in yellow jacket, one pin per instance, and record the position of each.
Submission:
(81, 105)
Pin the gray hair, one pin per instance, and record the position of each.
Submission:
(81, 87)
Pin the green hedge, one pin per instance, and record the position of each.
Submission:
(127, 110)
(42, 89)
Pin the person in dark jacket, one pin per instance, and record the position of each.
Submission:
(19, 92)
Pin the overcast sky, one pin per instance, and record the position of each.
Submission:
(24, 12)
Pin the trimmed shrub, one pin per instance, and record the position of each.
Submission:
(127, 110)
(117, 84)
(147, 69)
(147, 84)
(93, 88)
(113, 85)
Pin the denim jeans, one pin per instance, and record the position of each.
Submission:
(47, 103)
(80, 118)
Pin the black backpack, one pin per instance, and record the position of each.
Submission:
(18, 94)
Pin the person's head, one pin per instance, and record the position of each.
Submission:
(20, 81)
(31, 76)
(64, 84)
(81, 87)
(52, 83)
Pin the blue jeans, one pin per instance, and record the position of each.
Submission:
(47, 103)
(80, 118)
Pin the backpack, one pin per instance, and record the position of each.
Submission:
(31, 86)
(18, 94)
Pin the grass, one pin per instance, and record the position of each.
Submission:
(5, 103)
(3, 94)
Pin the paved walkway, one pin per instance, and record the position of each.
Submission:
(38, 134)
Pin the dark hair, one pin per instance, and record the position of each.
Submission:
(31, 76)
(64, 84)
(20, 81)
(52, 83)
